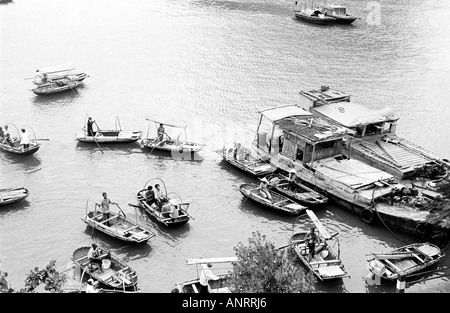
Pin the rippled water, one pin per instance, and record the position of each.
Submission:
(211, 65)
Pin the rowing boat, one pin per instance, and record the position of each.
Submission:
(116, 135)
(405, 260)
(120, 226)
(15, 147)
(11, 195)
(58, 86)
(296, 190)
(278, 203)
(116, 273)
(173, 211)
(326, 263)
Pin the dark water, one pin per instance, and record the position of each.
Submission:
(210, 65)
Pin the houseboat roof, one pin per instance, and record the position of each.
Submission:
(351, 114)
(326, 95)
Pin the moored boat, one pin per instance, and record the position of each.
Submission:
(313, 147)
(296, 190)
(58, 86)
(56, 73)
(164, 142)
(207, 281)
(116, 273)
(119, 227)
(278, 203)
(172, 210)
(11, 195)
(247, 161)
(116, 135)
(326, 263)
(404, 261)
(339, 13)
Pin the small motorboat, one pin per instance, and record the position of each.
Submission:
(11, 195)
(116, 273)
(326, 263)
(120, 226)
(279, 202)
(405, 260)
(314, 16)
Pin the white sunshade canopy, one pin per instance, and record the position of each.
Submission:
(56, 69)
(278, 113)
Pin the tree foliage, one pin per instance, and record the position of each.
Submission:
(261, 268)
(53, 281)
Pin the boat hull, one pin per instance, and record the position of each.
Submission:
(280, 203)
(120, 228)
(110, 136)
(314, 20)
(17, 150)
(12, 195)
(119, 276)
(178, 146)
(47, 90)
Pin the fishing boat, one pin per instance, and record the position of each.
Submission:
(14, 147)
(246, 160)
(171, 212)
(314, 147)
(312, 15)
(339, 13)
(166, 143)
(117, 135)
(120, 226)
(404, 261)
(326, 263)
(279, 202)
(11, 195)
(207, 281)
(296, 190)
(116, 273)
(374, 140)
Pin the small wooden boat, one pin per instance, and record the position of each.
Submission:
(55, 73)
(326, 264)
(109, 136)
(207, 281)
(172, 213)
(116, 273)
(278, 203)
(295, 190)
(15, 147)
(247, 161)
(167, 143)
(58, 86)
(405, 260)
(120, 226)
(11, 195)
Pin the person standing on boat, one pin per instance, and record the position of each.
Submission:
(2, 133)
(291, 178)
(311, 239)
(161, 132)
(90, 130)
(158, 195)
(264, 190)
(24, 139)
(104, 205)
(94, 256)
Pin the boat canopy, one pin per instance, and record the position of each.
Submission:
(311, 12)
(338, 9)
(57, 68)
(166, 124)
(351, 114)
(278, 113)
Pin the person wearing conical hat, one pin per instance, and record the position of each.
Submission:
(264, 190)
(291, 178)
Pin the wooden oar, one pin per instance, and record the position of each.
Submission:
(121, 210)
(43, 139)
(134, 205)
(295, 241)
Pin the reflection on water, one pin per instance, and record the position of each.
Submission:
(59, 99)
(15, 206)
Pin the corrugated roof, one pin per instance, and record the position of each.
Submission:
(351, 114)
(277, 113)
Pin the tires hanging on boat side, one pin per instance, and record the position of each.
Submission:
(367, 215)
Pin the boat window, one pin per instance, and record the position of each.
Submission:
(374, 129)
(386, 127)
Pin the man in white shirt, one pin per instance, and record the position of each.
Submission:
(94, 256)
(24, 139)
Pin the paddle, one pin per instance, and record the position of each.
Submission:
(295, 241)
(93, 137)
(121, 210)
(43, 139)
(134, 205)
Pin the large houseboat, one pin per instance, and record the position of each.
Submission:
(314, 148)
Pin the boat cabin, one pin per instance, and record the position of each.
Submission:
(336, 106)
(335, 10)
